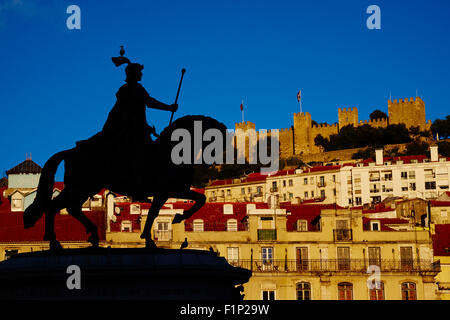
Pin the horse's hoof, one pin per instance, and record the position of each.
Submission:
(177, 219)
(150, 244)
(55, 245)
(94, 240)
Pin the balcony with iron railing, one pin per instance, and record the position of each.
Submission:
(337, 265)
(274, 189)
(217, 226)
(342, 234)
(163, 235)
(321, 184)
(267, 234)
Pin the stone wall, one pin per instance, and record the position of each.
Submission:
(299, 139)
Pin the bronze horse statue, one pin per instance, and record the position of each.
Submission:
(91, 168)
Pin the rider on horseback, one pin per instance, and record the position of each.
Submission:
(126, 125)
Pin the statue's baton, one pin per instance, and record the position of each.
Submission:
(178, 92)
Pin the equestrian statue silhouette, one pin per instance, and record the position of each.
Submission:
(144, 170)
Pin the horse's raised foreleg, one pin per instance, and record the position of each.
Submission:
(199, 199)
(158, 202)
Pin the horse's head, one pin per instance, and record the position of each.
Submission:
(194, 140)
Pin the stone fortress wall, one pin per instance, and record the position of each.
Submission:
(298, 140)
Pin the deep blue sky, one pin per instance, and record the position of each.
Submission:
(58, 85)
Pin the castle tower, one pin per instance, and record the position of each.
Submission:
(243, 131)
(302, 132)
(348, 116)
(410, 111)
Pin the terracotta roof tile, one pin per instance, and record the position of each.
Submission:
(28, 166)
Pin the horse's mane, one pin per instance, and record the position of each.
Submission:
(187, 122)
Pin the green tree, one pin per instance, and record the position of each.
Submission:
(441, 127)
(368, 153)
(378, 114)
(444, 148)
(417, 147)
(320, 141)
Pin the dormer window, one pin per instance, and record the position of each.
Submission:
(375, 226)
(17, 205)
(198, 225)
(301, 225)
(17, 202)
(135, 209)
(126, 226)
(232, 225)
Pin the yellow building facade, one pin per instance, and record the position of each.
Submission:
(328, 260)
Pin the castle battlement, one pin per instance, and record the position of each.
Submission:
(299, 138)
(405, 100)
(343, 110)
(374, 122)
(324, 125)
(301, 115)
(244, 125)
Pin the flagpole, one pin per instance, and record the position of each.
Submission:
(242, 105)
(301, 99)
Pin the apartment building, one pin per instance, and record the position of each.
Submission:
(304, 252)
(307, 251)
(348, 184)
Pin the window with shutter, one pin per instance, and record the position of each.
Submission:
(409, 291)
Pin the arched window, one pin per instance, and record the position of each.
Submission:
(409, 291)
(198, 225)
(345, 291)
(377, 293)
(232, 225)
(303, 291)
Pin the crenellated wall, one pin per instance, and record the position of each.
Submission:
(299, 139)
(325, 130)
(410, 111)
(376, 123)
(348, 116)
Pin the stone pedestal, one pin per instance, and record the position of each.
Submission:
(122, 274)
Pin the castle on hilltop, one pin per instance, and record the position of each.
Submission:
(299, 138)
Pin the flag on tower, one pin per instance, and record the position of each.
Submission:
(242, 105)
(299, 96)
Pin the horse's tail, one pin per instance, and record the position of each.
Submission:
(45, 190)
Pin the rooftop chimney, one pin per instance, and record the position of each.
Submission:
(379, 157)
(434, 153)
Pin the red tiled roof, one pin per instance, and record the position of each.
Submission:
(282, 173)
(218, 183)
(441, 240)
(405, 159)
(436, 203)
(380, 207)
(67, 228)
(308, 212)
(199, 190)
(384, 223)
(28, 166)
(252, 177)
(322, 168)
